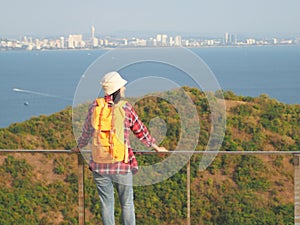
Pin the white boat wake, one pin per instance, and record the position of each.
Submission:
(41, 94)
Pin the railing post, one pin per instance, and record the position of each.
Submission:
(81, 208)
(188, 191)
(296, 162)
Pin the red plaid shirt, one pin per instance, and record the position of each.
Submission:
(132, 123)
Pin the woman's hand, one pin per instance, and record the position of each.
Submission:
(159, 148)
(75, 149)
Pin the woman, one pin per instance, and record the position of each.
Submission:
(119, 173)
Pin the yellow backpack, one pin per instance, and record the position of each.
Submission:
(108, 139)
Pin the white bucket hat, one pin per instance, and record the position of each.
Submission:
(111, 82)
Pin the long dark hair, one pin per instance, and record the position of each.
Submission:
(116, 96)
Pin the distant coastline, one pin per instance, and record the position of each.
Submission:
(89, 42)
(147, 47)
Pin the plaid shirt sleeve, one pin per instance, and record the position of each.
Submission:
(87, 129)
(137, 127)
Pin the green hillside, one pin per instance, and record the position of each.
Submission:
(42, 188)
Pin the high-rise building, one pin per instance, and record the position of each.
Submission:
(230, 39)
(226, 38)
(75, 41)
(158, 37)
(62, 42)
(178, 41)
(171, 41)
(94, 40)
(93, 32)
(250, 41)
(164, 41)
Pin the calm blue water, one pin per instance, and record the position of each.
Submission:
(248, 71)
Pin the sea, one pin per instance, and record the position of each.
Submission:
(37, 83)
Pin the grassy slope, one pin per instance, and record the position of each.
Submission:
(232, 190)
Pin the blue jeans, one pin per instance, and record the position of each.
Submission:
(105, 187)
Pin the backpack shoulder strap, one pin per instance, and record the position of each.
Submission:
(100, 102)
(96, 116)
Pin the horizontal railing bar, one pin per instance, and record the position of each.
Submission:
(221, 152)
(34, 151)
(153, 152)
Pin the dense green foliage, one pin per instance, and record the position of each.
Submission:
(26, 200)
(42, 189)
(43, 132)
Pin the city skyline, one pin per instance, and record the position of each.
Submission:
(194, 17)
(92, 41)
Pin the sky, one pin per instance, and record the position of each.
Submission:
(113, 17)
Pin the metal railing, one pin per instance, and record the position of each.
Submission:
(81, 199)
